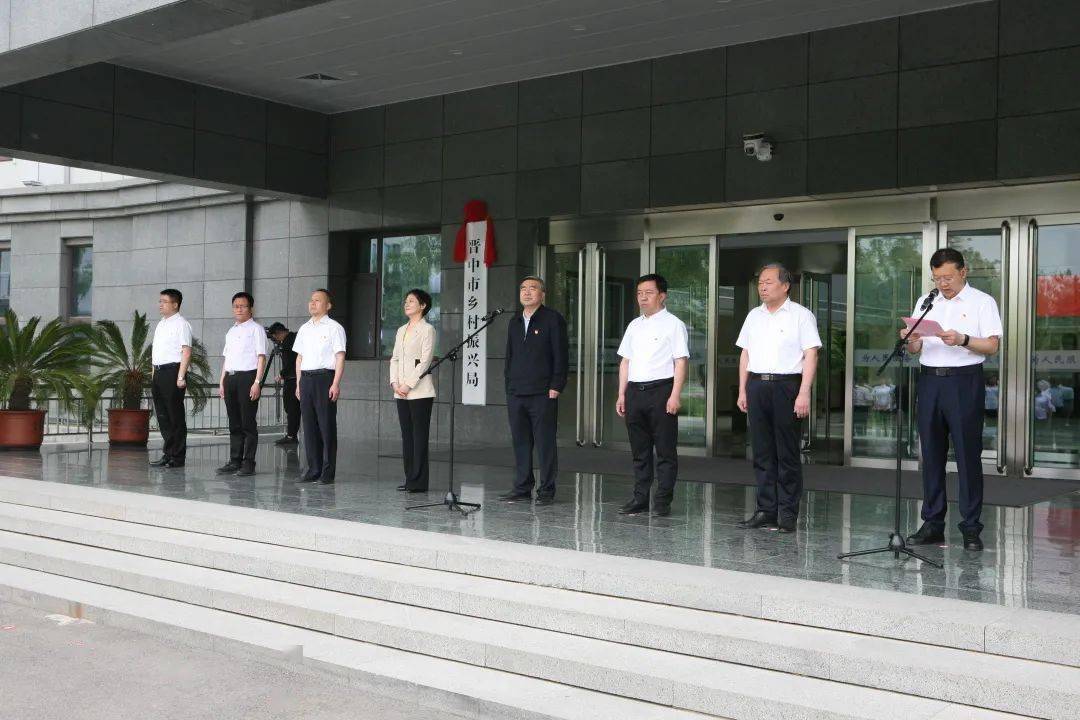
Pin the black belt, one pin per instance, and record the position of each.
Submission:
(975, 369)
(238, 372)
(651, 384)
(324, 371)
(166, 365)
(774, 377)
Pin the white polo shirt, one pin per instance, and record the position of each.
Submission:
(244, 343)
(171, 335)
(777, 341)
(652, 345)
(970, 311)
(317, 343)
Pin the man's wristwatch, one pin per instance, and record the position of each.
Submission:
(967, 339)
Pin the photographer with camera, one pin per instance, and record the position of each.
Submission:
(283, 346)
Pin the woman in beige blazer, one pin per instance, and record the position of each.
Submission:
(414, 347)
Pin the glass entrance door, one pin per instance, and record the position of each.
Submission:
(594, 286)
(687, 268)
(1029, 265)
(819, 262)
(1050, 327)
(823, 431)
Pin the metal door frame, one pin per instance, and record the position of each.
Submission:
(929, 244)
(1008, 355)
(710, 339)
(1025, 290)
(592, 260)
(808, 299)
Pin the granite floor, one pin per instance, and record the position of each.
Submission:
(1032, 556)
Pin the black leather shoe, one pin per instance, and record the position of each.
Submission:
(402, 488)
(161, 461)
(173, 463)
(307, 478)
(972, 541)
(786, 526)
(758, 519)
(515, 496)
(326, 480)
(927, 535)
(228, 468)
(287, 440)
(245, 471)
(416, 490)
(543, 501)
(661, 511)
(634, 508)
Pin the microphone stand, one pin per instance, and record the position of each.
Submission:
(897, 545)
(451, 500)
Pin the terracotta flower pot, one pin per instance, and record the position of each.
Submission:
(128, 427)
(22, 428)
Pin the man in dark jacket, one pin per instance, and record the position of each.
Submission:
(537, 357)
(283, 341)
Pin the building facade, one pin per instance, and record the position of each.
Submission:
(891, 136)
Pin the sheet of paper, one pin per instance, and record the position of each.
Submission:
(926, 327)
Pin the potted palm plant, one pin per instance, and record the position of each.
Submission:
(37, 361)
(125, 369)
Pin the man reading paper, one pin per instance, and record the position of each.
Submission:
(951, 394)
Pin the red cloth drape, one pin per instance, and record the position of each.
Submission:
(476, 211)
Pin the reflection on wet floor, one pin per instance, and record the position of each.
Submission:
(1031, 557)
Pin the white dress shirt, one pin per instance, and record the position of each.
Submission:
(652, 345)
(777, 341)
(244, 343)
(317, 344)
(525, 321)
(972, 312)
(171, 335)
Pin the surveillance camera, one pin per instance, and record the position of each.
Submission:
(756, 145)
(778, 217)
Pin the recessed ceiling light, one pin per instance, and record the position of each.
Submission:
(344, 17)
(352, 73)
(236, 41)
(457, 52)
(578, 28)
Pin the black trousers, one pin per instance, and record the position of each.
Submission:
(951, 407)
(319, 416)
(533, 424)
(652, 429)
(415, 419)
(169, 408)
(775, 433)
(243, 428)
(292, 407)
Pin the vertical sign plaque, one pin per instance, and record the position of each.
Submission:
(474, 354)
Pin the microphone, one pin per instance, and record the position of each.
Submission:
(930, 298)
(494, 313)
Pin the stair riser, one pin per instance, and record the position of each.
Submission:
(408, 693)
(949, 687)
(484, 559)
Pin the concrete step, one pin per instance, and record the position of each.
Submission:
(465, 690)
(958, 676)
(659, 677)
(1012, 632)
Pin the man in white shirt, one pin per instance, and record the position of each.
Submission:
(320, 363)
(171, 355)
(240, 384)
(655, 352)
(780, 342)
(952, 395)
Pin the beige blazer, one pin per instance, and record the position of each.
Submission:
(412, 355)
